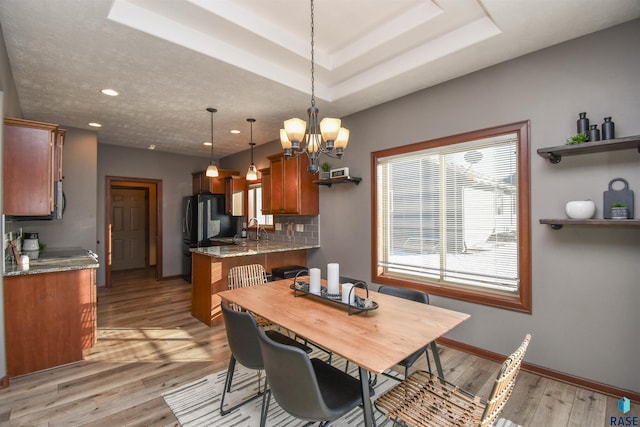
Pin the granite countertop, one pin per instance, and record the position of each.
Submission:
(55, 260)
(246, 247)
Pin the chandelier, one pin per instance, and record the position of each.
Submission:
(252, 173)
(212, 170)
(327, 137)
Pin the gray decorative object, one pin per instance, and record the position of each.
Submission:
(613, 196)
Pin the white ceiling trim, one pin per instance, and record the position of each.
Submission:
(141, 19)
(468, 35)
(414, 17)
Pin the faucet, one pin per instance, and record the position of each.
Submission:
(266, 235)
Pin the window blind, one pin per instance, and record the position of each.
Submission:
(449, 214)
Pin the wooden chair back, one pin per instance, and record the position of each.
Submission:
(504, 383)
(242, 276)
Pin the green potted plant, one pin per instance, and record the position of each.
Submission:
(326, 171)
(578, 138)
(619, 211)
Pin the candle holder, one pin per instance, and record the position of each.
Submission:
(301, 289)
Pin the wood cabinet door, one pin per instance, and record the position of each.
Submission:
(291, 186)
(265, 182)
(277, 184)
(28, 169)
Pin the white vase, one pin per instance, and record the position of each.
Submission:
(580, 209)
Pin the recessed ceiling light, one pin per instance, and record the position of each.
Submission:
(109, 92)
(234, 131)
(152, 147)
(207, 143)
(95, 125)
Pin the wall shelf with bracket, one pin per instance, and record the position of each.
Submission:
(554, 154)
(557, 224)
(341, 180)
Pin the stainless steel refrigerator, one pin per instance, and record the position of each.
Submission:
(203, 219)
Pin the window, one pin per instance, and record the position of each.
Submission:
(255, 206)
(451, 216)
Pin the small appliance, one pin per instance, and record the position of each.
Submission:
(30, 245)
(339, 172)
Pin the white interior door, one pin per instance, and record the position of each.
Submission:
(128, 232)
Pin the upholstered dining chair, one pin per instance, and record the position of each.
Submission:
(242, 335)
(308, 389)
(418, 296)
(424, 400)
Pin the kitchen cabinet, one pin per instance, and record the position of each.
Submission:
(32, 163)
(265, 184)
(292, 189)
(50, 318)
(235, 195)
(201, 183)
(554, 155)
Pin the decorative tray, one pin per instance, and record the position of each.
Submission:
(301, 288)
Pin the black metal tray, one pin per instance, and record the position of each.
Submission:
(301, 288)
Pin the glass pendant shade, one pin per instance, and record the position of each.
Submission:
(329, 128)
(212, 171)
(342, 139)
(295, 129)
(252, 173)
(284, 140)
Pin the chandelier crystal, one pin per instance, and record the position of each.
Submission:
(327, 137)
(212, 170)
(252, 173)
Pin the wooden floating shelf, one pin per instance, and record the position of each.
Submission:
(557, 224)
(342, 180)
(554, 154)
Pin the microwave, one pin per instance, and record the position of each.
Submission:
(59, 206)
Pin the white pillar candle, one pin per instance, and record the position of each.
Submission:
(333, 278)
(348, 293)
(314, 281)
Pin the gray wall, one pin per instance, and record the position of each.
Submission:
(586, 292)
(175, 173)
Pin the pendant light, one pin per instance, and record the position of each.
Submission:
(328, 137)
(212, 170)
(252, 173)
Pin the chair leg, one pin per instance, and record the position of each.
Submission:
(227, 389)
(266, 399)
(227, 382)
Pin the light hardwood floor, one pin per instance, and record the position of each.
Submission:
(149, 343)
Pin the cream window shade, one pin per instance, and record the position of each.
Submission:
(449, 215)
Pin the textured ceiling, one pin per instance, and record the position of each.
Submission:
(171, 59)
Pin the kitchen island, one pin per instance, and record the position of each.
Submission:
(210, 267)
(50, 310)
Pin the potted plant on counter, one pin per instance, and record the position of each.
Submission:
(619, 211)
(326, 171)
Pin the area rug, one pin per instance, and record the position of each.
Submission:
(198, 404)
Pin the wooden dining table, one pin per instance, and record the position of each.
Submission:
(374, 340)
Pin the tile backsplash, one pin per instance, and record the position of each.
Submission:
(297, 228)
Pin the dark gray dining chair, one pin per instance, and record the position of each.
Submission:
(242, 334)
(308, 389)
(418, 296)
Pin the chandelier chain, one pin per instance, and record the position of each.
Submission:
(313, 96)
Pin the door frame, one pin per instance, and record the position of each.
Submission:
(120, 182)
